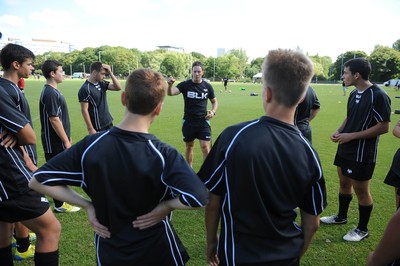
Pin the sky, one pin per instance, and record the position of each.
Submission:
(317, 27)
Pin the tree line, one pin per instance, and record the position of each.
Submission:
(385, 63)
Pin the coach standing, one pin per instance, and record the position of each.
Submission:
(93, 98)
(196, 119)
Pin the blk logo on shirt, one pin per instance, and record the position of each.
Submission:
(195, 95)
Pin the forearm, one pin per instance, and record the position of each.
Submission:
(372, 132)
(212, 217)
(86, 118)
(59, 129)
(309, 224)
(396, 129)
(115, 82)
(61, 193)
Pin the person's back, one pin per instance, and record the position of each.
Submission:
(259, 172)
(306, 111)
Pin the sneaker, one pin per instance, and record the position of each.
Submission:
(66, 208)
(32, 237)
(356, 235)
(29, 253)
(333, 219)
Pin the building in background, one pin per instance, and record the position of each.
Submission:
(40, 46)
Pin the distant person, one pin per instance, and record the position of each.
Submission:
(393, 176)
(21, 84)
(368, 117)
(54, 120)
(196, 118)
(344, 88)
(387, 252)
(259, 172)
(93, 98)
(306, 111)
(225, 80)
(19, 203)
(131, 198)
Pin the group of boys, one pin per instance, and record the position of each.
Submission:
(252, 180)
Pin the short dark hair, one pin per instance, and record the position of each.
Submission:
(14, 52)
(359, 65)
(198, 63)
(49, 66)
(144, 90)
(96, 66)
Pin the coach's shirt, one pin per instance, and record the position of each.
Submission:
(52, 103)
(96, 96)
(14, 175)
(195, 97)
(263, 170)
(364, 110)
(22, 105)
(126, 174)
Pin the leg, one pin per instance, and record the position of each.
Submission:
(205, 148)
(6, 232)
(47, 229)
(189, 152)
(365, 203)
(21, 231)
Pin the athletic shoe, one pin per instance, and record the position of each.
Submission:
(29, 253)
(333, 219)
(66, 208)
(355, 235)
(32, 237)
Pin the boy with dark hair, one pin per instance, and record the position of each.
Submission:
(368, 117)
(259, 172)
(54, 120)
(18, 203)
(93, 98)
(138, 190)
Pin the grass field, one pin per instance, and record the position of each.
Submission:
(328, 248)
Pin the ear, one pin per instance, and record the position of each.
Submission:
(123, 98)
(158, 108)
(15, 65)
(268, 94)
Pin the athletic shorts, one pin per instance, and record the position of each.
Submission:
(393, 176)
(196, 130)
(355, 170)
(27, 206)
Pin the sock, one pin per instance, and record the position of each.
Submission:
(364, 215)
(57, 203)
(46, 259)
(6, 258)
(22, 244)
(344, 202)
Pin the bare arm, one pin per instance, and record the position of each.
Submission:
(396, 129)
(378, 129)
(59, 129)
(26, 135)
(115, 85)
(212, 217)
(28, 160)
(171, 90)
(387, 249)
(159, 213)
(211, 113)
(64, 193)
(309, 224)
(313, 113)
(86, 117)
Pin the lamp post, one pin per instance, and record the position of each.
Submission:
(100, 55)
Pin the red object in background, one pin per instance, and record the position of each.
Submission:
(21, 83)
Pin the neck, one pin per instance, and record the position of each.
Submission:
(281, 113)
(52, 83)
(363, 85)
(136, 123)
(11, 76)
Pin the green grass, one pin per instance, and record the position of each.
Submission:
(328, 248)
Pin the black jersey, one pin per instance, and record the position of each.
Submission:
(263, 170)
(22, 105)
(303, 112)
(364, 110)
(96, 96)
(14, 175)
(52, 103)
(195, 97)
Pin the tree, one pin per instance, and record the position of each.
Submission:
(343, 58)
(396, 45)
(385, 63)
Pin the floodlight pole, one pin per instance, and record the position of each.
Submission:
(100, 55)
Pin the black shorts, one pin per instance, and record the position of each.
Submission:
(28, 206)
(355, 170)
(393, 176)
(196, 130)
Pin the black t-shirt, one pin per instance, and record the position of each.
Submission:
(364, 110)
(22, 105)
(195, 96)
(52, 103)
(14, 175)
(126, 174)
(96, 96)
(263, 170)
